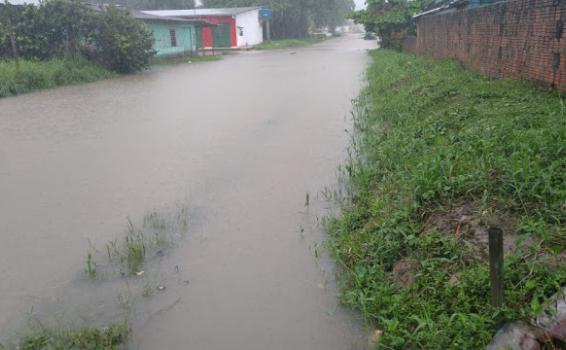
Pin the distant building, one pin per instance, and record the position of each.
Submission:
(173, 36)
(231, 27)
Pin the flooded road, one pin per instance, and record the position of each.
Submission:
(239, 142)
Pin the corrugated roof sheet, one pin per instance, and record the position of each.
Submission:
(202, 12)
(443, 5)
(149, 17)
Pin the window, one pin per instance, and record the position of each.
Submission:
(173, 35)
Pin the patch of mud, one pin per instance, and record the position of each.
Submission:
(467, 223)
(404, 270)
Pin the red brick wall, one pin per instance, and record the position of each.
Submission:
(517, 39)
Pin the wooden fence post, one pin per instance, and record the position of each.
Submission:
(496, 265)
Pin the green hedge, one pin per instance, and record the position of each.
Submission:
(26, 76)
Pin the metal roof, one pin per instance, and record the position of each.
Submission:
(149, 17)
(234, 11)
(442, 6)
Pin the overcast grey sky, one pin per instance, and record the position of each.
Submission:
(360, 4)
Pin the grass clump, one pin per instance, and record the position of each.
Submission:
(288, 43)
(26, 76)
(431, 135)
(157, 232)
(114, 337)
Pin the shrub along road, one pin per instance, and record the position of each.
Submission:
(26, 76)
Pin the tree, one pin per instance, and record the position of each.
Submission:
(331, 13)
(390, 19)
(294, 18)
(119, 42)
(64, 23)
(73, 29)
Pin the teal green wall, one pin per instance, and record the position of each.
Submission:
(186, 37)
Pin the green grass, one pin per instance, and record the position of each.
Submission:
(111, 338)
(430, 136)
(163, 61)
(157, 232)
(288, 43)
(27, 76)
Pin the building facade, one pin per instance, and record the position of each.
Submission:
(173, 36)
(239, 27)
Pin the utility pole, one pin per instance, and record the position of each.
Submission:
(265, 15)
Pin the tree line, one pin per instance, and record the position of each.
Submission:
(294, 18)
(107, 36)
(391, 19)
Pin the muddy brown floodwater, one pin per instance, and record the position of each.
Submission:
(239, 143)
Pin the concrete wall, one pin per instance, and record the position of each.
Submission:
(251, 29)
(518, 39)
(186, 42)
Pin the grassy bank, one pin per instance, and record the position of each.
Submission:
(288, 43)
(111, 338)
(28, 76)
(439, 155)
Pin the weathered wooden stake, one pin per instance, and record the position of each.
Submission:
(496, 265)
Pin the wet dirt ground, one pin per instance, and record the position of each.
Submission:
(239, 143)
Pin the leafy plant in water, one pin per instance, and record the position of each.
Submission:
(135, 249)
(90, 265)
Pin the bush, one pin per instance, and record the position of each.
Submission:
(69, 28)
(26, 76)
(119, 42)
(114, 337)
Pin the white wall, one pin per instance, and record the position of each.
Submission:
(253, 31)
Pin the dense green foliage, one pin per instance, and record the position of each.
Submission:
(70, 28)
(432, 136)
(119, 42)
(111, 338)
(26, 76)
(390, 19)
(294, 18)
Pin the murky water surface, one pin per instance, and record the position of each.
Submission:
(238, 143)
